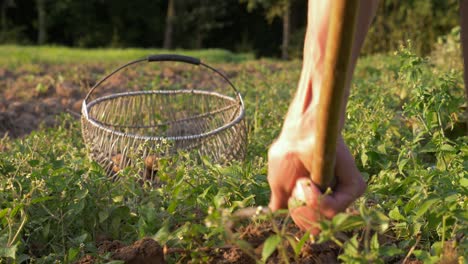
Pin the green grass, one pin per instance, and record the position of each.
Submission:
(402, 126)
(16, 55)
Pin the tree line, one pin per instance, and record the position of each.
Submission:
(265, 27)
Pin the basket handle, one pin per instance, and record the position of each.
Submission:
(194, 61)
(173, 57)
(167, 57)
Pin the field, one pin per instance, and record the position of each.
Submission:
(405, 125)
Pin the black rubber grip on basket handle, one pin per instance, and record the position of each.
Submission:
(174, 57)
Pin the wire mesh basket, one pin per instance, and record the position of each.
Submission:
(121, 127)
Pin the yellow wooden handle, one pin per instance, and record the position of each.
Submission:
(337, 58)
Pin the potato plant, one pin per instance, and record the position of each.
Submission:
(403, 124)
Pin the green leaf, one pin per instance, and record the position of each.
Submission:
(381, 221)
(8, 252)
(163, 234)
(339, 219)
(352, 222)
(270, 246)
(103, 215)
(447, 148)
(464, 182)
(430, 147)
(244, 245)
(300, 244)
(395, 214)
(401, 165)
(374, 245)
(118, 199)
(390, 251)
(293, 243)
(364, 159)
(33, 163)
(424, 207)
(73, 253)
(425, 256)
(77, 207)
(4, 212)
(81, 194)
(22, 258)
(382, 149)
(16, 209)
(46, 230)
(351, 246)
(80, 239)
(41, 199)
(437, 248)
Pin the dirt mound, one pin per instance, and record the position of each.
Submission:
(144, 251)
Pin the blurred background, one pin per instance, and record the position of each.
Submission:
(266, 28)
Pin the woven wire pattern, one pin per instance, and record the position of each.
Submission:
(120, 128)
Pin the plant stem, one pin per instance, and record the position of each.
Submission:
(412, 249)
(337, 59)
(20, 228)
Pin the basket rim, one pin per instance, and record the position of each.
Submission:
(86, 106)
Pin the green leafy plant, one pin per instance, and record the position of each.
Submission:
(56, 204)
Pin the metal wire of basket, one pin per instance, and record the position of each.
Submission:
(122, 127)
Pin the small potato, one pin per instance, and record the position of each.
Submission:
(116, 168)
(151, 163)
(119, 162)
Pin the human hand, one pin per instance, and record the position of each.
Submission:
(289, 178)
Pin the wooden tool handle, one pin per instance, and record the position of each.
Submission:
(337, 57)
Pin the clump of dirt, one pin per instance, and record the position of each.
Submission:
(144, 251)
(86, 260)
(110, 246)
(234, 255)
(320, 253)
(450, 254)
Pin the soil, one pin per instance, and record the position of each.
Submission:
(144, 251)
(148, 251)
(31, 97)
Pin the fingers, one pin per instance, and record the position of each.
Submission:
(278, 201)
(305, 205)
(290, 180)
(350, 185)
(308, 192)
(306, 219)
(284, 167)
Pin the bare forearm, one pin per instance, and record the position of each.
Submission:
(314, 54)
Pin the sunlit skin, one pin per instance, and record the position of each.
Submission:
(290, 155)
